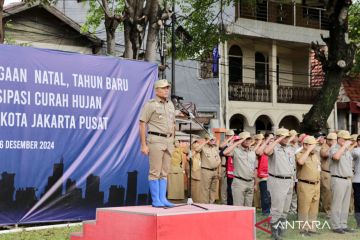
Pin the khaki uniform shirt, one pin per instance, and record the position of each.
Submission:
(244, 162)
(210, 157)
(311, 169)
(343, 167)
(196, 163)
(176, 161)
(281, 161)
(325, 162)
(159, 116)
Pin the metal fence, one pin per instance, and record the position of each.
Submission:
(284, 13)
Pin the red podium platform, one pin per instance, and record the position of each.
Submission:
(185, 222)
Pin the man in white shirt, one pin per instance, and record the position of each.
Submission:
(356, 180)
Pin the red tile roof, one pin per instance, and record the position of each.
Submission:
(317, 74)
(352, 87)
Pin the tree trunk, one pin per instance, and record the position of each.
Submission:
(339, 61)
(153, 29)
(127, 36)
(315, 120)
(2, 23)
(110, 42)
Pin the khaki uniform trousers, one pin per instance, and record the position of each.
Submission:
(257, 197)
(243, 192)
(160, 150)
(209, 186)
(341, 193)
(308, 207)
(281, 191)
(196, 190)
(176, 186)
(325, 192)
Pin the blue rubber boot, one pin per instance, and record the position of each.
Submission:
(154, 190)
(162, 189)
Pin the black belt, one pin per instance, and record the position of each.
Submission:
(210, 169)
(308, 182)
(160, 134)
(281, 177)
(325, 170)
(246, 180)
(340, 177)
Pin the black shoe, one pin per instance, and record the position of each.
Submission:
(349, 230)
(275, 232)
(338, 230)
(281, 229)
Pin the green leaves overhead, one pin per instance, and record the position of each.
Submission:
(202, 19)
(354, 32)
(96, 13)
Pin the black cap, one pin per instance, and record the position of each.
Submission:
(319, 134)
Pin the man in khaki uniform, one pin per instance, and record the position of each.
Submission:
(341, 173)
(308, 174)
(157, 118)
(176, 174)
(195, 172)
(325, 177)
(210, 170)
(223, 174)
(244, 170)
(280, 182)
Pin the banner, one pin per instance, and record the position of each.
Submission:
(69, 135)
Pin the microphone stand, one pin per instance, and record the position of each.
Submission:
(190, 202)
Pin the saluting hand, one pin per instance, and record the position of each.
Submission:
(145, 149)
(279, 139)
(312, 147)
(348, 143)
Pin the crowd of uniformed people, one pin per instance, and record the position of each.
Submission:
(286, 172)
(289, 172)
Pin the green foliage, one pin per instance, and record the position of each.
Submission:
(202, 19)
(94, 17)
(96, 14)
(354, 32)
(48, 234)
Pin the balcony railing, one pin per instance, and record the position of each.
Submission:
(284, 13)
(300, 95)
(249, 92)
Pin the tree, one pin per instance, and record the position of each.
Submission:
(138, 18)
(2, 24)
(141, 21)
(335, 63)
(354, 33)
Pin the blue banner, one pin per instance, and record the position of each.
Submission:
(69, 134)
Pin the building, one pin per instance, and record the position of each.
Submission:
(348, 105)
(45, 26)
(266, 69)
